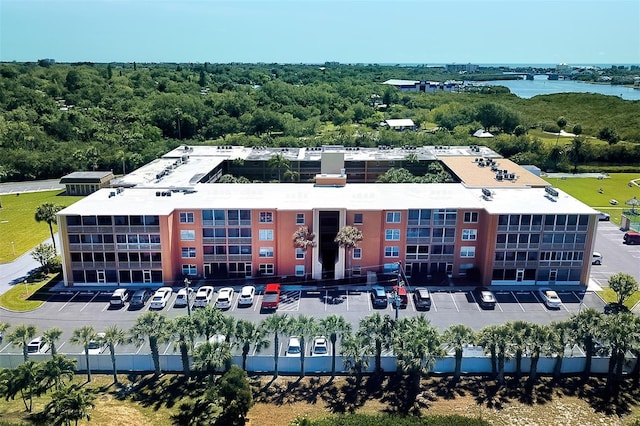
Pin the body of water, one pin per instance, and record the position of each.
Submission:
(541, 86)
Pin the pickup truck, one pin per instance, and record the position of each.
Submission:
(271, 297)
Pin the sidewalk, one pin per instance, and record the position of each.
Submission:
(15, 272)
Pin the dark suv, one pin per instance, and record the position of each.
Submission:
(422, 298)
(378, 297)
(139, 298)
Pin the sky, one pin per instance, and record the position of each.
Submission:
(315, 31)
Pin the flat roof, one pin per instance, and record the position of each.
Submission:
(473, 175)
(306, 196)
(87, 177)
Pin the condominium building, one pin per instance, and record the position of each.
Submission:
(494, 224)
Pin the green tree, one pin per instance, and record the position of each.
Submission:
(540, 341)
(560, 337)
(586, 326)
(303, 238)
(334, 326)
(70, 405)
(83, 336)
(279, 163)
(375, 332)
(43, 254)
(184, 327)
(24, 380)
(355, 354)
(46, 212)
(518, 341)
(208, 321)
(55, 370)
(249, 334)
(50, 337)
(562, 123)
(304, 327)
(114, 335)
(624, 285)
(154, 327)
(457, 336)
(210, 357)
(619, 335)
(236, 397)
(21, 336)
(276, 324)
(348, 237)
(489, 338)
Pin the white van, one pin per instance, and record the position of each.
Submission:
(119, 297)
(596, 259)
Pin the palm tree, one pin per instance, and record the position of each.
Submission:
(540, 342)
(4, 326)
(24, 380)
(334, 326)
(83, 336)
(114, 335)
(619, 335)
(276, 324)
(560, 335)
(375, 331)
(248, 333)
(348, 237)
(54, 370)
(46, 212)
(155, 327)
(21, 336)
(278, 162)
(518, 338)
(70, 404)
(302, 326)
(210, 357)
(184, 328)
(208, 321)
(355, 354)
(458, 335)
(488, 338)
(51, 336)
(586, 326)
(303, 238)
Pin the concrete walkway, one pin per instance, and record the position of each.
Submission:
(16, 272)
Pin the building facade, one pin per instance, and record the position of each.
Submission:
(516, 231)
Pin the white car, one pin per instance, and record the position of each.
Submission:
(550, 298)
(246, 295)
(596, 259)
(293, 348)
(160, 298)
(320, 346)
(184, 296)
(225, 297)
(96, 346)
(203, 296)
(37, 346)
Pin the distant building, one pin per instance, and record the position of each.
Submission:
(400, 124)
(466, 68)
(423, 86)
(85, 183)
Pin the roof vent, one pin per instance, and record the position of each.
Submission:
(552, 192)
(486, 193)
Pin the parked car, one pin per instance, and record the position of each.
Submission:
(596, 259)
(139, 298)
(319, 346)
(246, 295)
(216, 338)
(184, 296)
(293, 347)
(401, 292)
(550, 298)
(379, 297)
(96, 346)
(119, 297)
(161, 297)
(225, 297)
(422, 298)
(604, 216)
(631, 238)
(203, 296)
(485, 298)
(271, 298)
(37, 346)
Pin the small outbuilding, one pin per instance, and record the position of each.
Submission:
(400, 124)
(481, 133)
(84, 183)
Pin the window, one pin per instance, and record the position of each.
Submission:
(299, 218)
(189, 269)
(391, 251)
(299, 253)
(470, 217)
(266, 268)
(265, 235)
(186, 217)
(299, 270)
(357, 219)
(266, 252)
(419, 217)
(393, 217)
(266, 217)
(187, 235)
(357, 253)
(392, 235)
(419, 252)
(467, 252)
(356, 271)
(188, 252)
(469, 234)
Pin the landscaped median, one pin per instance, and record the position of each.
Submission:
(28, 295)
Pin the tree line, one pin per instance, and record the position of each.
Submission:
(59, 118)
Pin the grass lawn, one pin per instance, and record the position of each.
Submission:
(616, 187)
(19, 231)
(277, 403)
(30, 295)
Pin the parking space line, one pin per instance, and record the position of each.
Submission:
(433, 304)
(326, 298)
(476, 302)
(517, 300)
(169, 345)
(139, 349)
(347, 301)
(60, 347)
(69, 301)
(454, 301)
(106, 307)
(89, 302)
